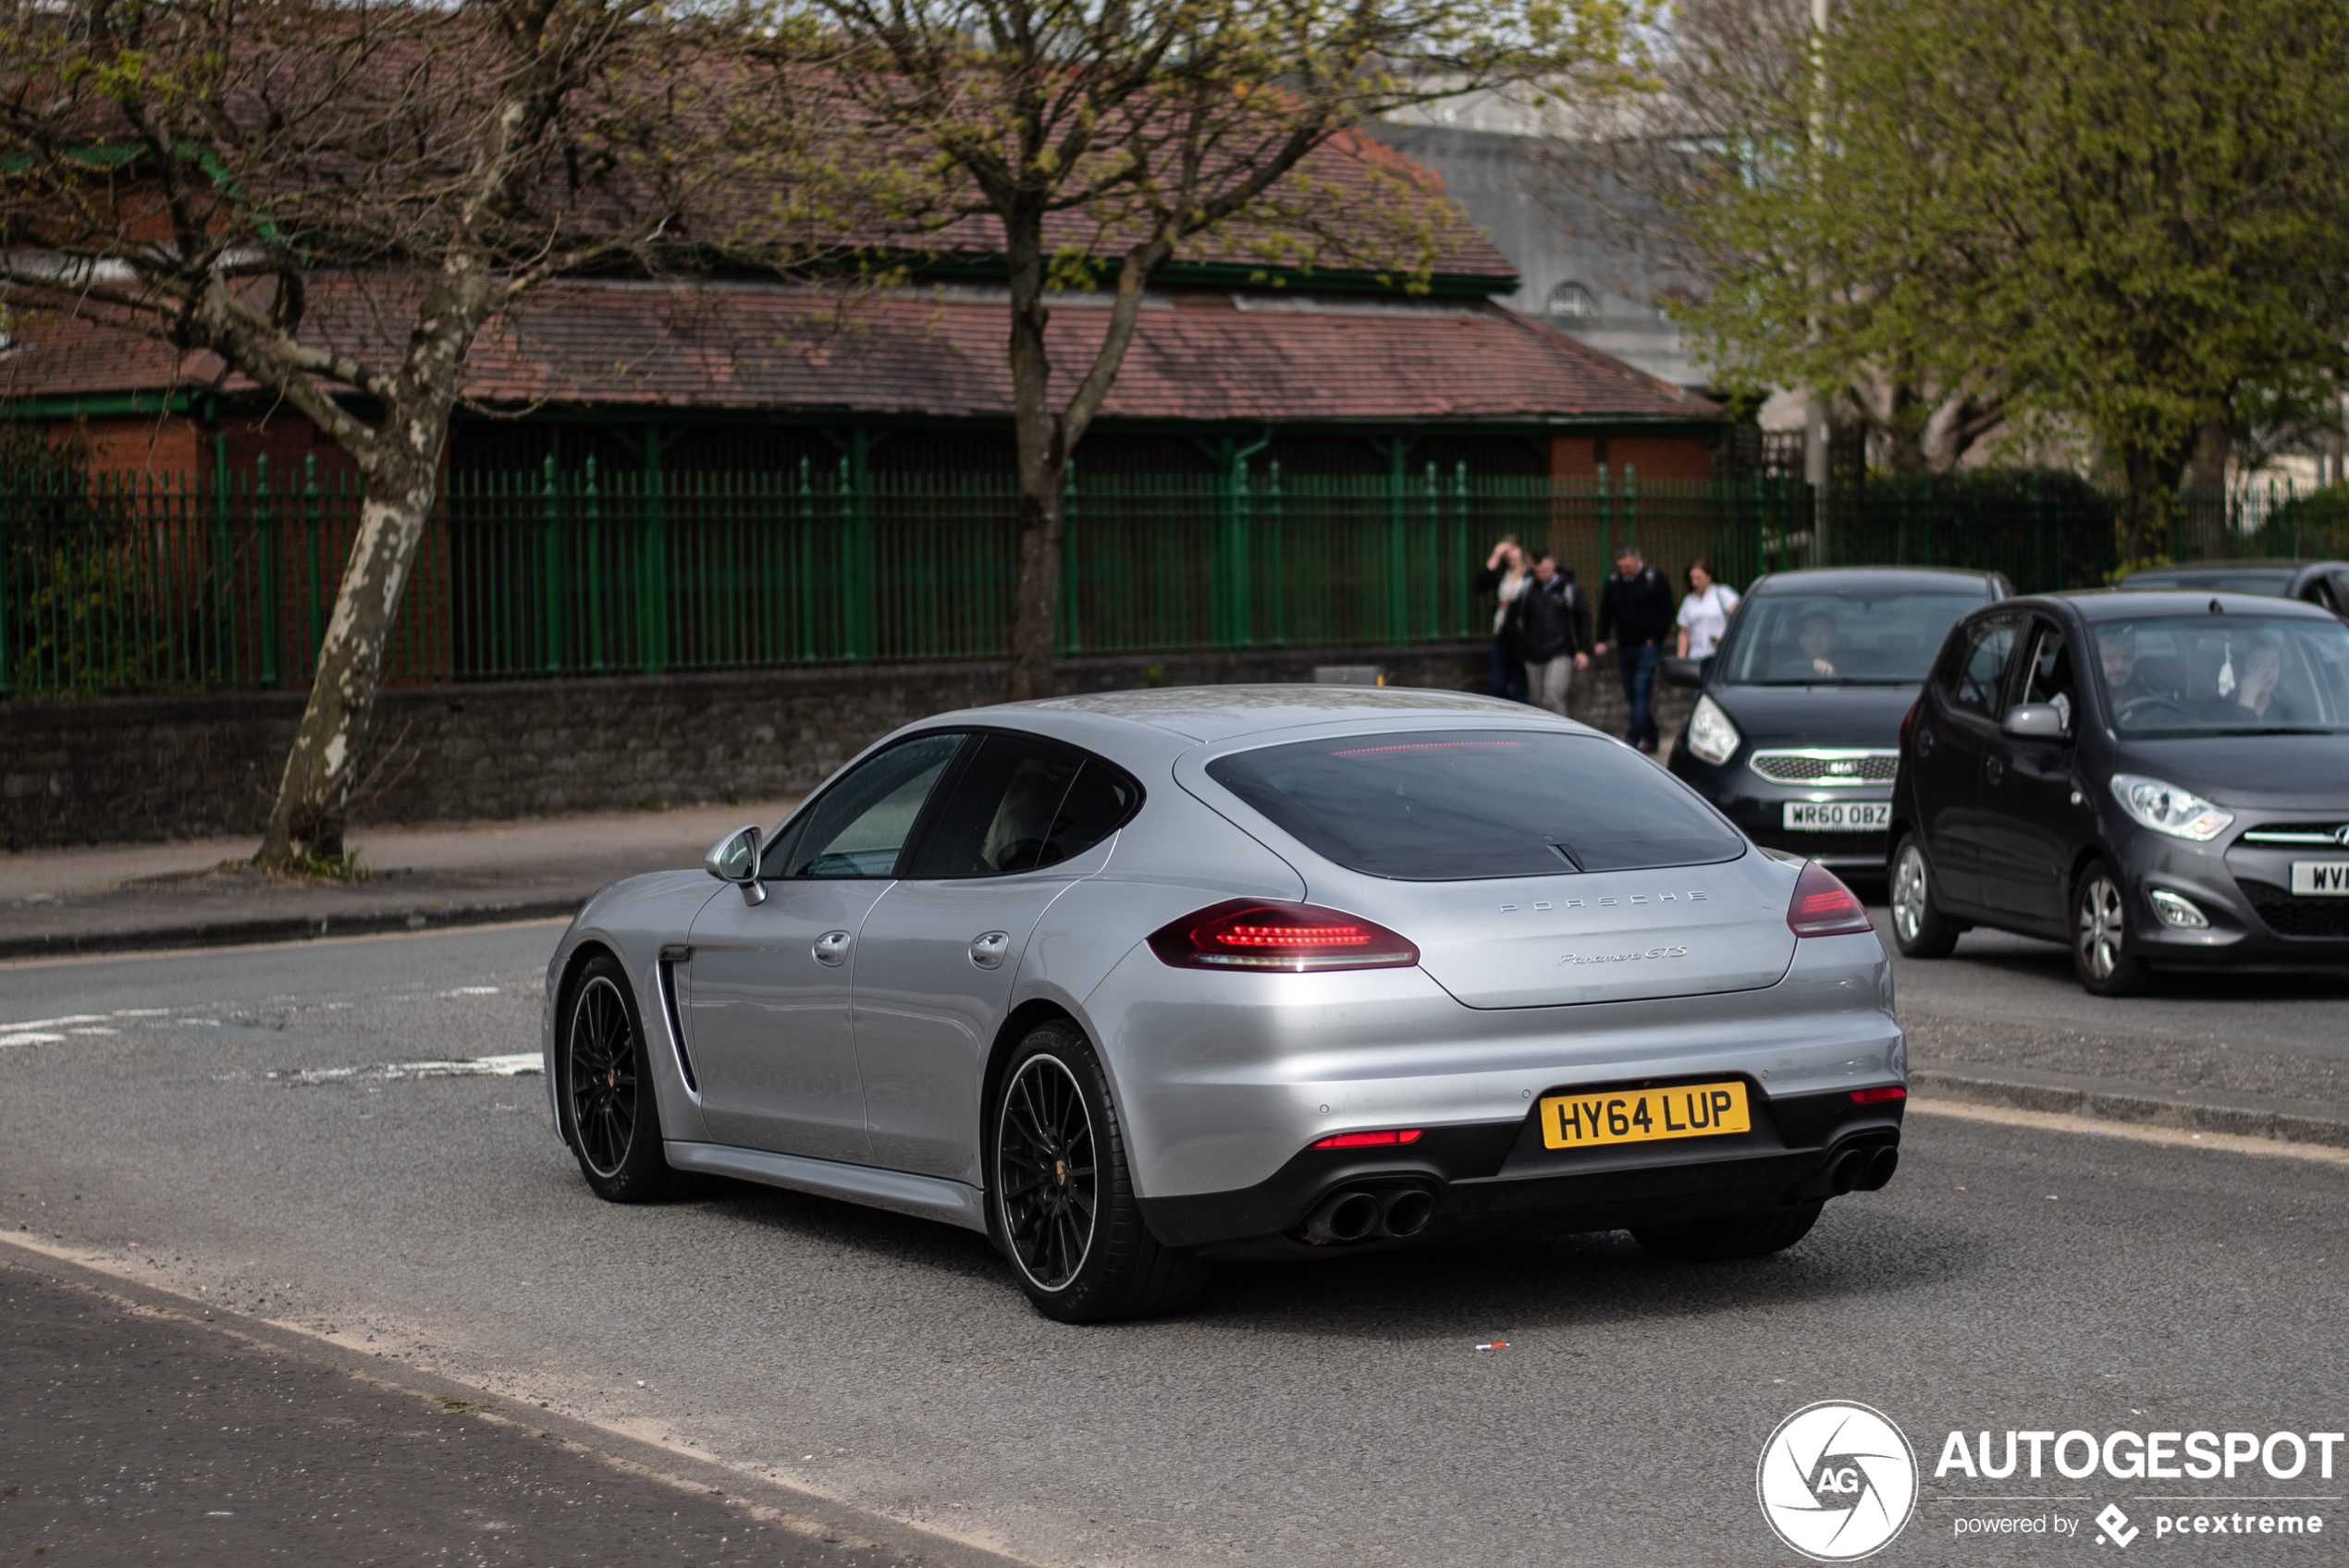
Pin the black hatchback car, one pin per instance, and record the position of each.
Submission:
(2322, 584)
(2160, 780)
(1795, 733)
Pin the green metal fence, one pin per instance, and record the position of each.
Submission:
(227, 581)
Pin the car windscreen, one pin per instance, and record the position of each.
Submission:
(1851, 639)
(1456, 805)
(2268, 584)
(2224, 674)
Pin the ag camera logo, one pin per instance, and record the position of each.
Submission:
(1837, 1481)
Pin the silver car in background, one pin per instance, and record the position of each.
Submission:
(1137, 981)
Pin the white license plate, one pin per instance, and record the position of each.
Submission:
(1837, 817)
(2321, 879)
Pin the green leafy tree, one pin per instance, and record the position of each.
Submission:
(2122, 216)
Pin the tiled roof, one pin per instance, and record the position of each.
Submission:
(1199, 355)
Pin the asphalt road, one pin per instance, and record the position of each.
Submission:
(233, 1125)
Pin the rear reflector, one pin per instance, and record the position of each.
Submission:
(1822, 906)
(1366, 1140)
(1878, 1097)
(1244, 934)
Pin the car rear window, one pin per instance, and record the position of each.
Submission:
(2272, 584)
(1456, 805)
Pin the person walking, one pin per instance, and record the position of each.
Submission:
(1704, 614)
(1550, 628)
(1505, 576)
(1636, 606)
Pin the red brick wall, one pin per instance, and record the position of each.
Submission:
(1648, 457)
(145, 444)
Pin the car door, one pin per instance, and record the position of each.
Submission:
(2027, 811)
(1959, 732)
(1023, 819)
(766, 988)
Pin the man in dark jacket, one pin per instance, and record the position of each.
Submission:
(1636, 605)
(1549, 627)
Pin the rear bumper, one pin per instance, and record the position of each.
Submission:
(1495, 1177)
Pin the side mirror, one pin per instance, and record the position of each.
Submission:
(2035, 722)
(735, 859)
(1683, 672)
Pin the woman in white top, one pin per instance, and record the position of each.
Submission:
(1704, 614)
(1505, 576)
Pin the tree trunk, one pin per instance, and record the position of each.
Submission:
(2152, 497)
(1037, 435)
(315, 790)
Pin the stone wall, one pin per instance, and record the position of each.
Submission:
(129, 768)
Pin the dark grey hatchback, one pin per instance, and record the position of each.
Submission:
(2160, 780)
(1794, 736)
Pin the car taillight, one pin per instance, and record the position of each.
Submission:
(1878, 1096)
(1907, 720)
(1822, 906)
(1369, 1140)
(1244, 934)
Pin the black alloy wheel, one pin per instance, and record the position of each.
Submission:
(2104, 953)
(1063, 1207)
(1919, 929)
(1050, 1172)
(610, 1114)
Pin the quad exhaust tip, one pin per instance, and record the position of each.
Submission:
(1881, 1166)
(1863, 1171)
(1352, 1214)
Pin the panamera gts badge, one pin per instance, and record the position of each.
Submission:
(1565, 958)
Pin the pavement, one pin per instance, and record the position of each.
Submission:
(328, 1140)
(132, 897)
(141, 1427)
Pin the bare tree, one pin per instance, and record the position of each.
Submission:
(336, 198)
(1138, 130)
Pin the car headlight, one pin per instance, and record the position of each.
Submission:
(2165, 808)
(1711, 735)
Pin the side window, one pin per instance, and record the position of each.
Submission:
(2047, 674)
(859, 826)
(1982, 663)
(1023, 804)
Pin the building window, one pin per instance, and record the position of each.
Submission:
(1572, 302)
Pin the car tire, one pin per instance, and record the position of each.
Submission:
(1919, 929)
(2104, 954)
(1060, 1199)
(1721, 1241)
(603, 1089)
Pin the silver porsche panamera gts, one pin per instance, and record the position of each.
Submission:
(1137, 981)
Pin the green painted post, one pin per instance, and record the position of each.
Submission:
(1398, 546)
(310, 531)
(652, 560)
(860, 563)
(1072, 633)
(223, 602)
(591, 537)
(1276, 552)
(1606, 553)
(1631, 505)
(551, 566)
(264, 521)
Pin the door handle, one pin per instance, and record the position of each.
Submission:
(1924, 741)
(831, 948)
(1994, 769)
(987, 950)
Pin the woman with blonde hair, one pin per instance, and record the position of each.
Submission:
(1507, 572)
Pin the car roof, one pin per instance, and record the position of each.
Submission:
(2260, 563)
(1220, 712)
(2118, 603)
(1881, 579)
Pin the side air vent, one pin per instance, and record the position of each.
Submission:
(668, 963)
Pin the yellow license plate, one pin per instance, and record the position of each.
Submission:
(1639, 1116)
